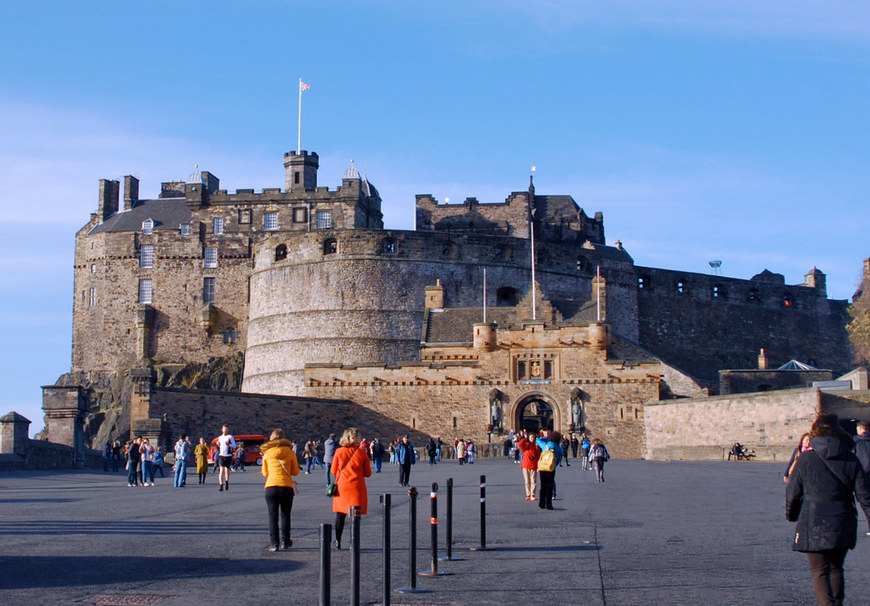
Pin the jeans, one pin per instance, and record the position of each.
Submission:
(328, 475)
(180, 473)
(405, 473)
(131, 472)
(147, 471)
(279, 498)
(378, 463)
(827, 570)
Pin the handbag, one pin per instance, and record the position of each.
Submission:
(332, 489)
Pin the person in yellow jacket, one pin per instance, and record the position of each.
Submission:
(201, 452)
(279, 467)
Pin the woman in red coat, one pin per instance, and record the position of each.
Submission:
(351, 467)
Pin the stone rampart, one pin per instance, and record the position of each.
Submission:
(705, 428)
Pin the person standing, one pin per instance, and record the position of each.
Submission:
(351, 467)
(107, 455)
(820, 498)
(585, 445)
(116, 456)
(329, 446)
(146, 451)
(430, 450)
(575, 445)
(308, 454)
(862, 446)
(529, 464)
(461, 451)
(599, 456)
(182, 451)
(201, 454)
(279, 467)
(133, 458)
(547, 470)
(226, 446)
(377, 449)
(404, 458)
(158, 462)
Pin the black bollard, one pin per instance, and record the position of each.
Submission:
(325, 563)
(385, 564)
(482, 546)
(449, 529)
(355, 516)
(412, 544)
(433, 525)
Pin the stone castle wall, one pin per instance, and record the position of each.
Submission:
(771, 423)
(702, 330)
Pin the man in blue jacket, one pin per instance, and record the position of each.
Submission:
(404, 458)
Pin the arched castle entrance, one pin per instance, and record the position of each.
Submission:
(534, 412)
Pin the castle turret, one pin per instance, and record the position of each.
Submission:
(300, 171)
(815, 279)
(434, 295)
(484, 336)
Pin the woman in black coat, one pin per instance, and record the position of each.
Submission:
(820, 497)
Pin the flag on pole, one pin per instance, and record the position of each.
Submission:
(303, 86)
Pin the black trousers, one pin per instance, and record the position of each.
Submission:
(827, 570)
(548, 482)
(279, 498)
(405, 473)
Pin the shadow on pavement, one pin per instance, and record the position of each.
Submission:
(69, 571)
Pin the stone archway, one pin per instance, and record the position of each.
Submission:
(535, 412)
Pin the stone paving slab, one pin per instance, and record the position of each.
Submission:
(654, 533)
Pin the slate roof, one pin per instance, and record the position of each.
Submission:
(455, 325)
(167, 213)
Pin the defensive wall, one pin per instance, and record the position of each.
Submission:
(769, 422)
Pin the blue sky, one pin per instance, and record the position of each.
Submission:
(728, 129)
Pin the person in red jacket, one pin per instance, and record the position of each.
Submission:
(529, 464)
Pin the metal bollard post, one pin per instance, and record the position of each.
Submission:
(482, 546)
(325, 563)
(412, 543)
(433, 525)
(385, 564)
(449, 529)
(355, 515)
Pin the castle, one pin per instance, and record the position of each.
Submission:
(306, 293)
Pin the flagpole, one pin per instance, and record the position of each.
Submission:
(299, 128)
(484, 295)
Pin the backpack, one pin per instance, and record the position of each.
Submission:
(599, 452)
(547, 460)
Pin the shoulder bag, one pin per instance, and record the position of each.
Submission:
(332, 489)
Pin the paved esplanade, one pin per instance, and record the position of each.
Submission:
(655, 533)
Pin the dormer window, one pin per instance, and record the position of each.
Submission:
(148, 226)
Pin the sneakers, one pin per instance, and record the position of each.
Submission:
(528, 498)
(533, 498)
(273, 548)
(286, 544)
(337, 544)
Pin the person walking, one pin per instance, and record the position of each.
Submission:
(158, 463)
(329, 446)
(201, 453)
(803, 446)
(585, 445)
(529, 464)
(862, 446)
(820, 498)
(279, 467)
(599, 456)
(404, 458)
(182, 452)
(351, 467)
(226, 446)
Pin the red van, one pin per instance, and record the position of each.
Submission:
(252, 448)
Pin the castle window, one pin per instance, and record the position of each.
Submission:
(642, 281)
(388, 246)
(681, 286)
(211, 258)
(146, 291)
(300, 215)
(786, 301)
(582, 264)
(270, 220)
(280, 252)
(506, 297)
(148, 226)
(244, 216)
(230, 335)
(754, 296)
(184, 229)
(548, 370)
(146, 256)
(93, 268)
(330, 246)
(92, 297)
(717, 292)
(521, 370)
(218, 225)
(324, 219)
(208, 290)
